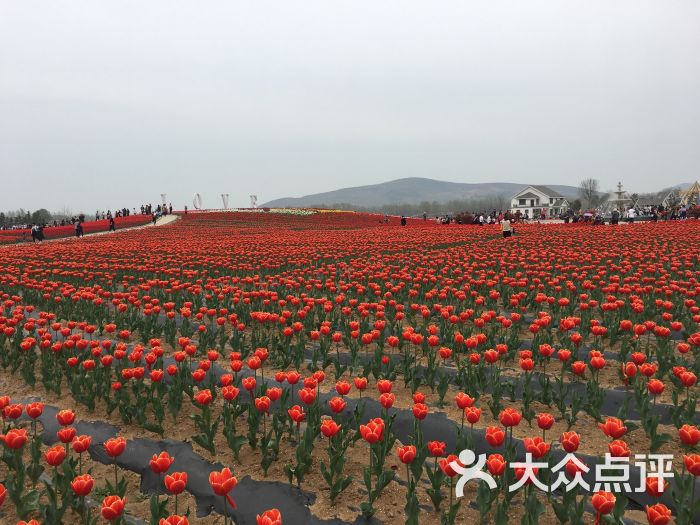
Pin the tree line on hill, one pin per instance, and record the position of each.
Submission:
(433, 208)
(21, 216)
(497, 202)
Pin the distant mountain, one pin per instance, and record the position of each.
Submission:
(681, 186)
(412, 190)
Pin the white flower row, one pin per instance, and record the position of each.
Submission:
(283, 211)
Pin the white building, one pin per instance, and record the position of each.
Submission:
(532, 200)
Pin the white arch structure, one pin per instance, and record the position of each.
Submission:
(197, 201)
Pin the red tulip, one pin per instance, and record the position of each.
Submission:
(463, 400)
(307, 395)
(603, 502)
(360, 383)
(81, 443)
(653, 488)
(174, 519)
(274, 393)
(248, 383)
(65, 417)
(692, 464)
(495, 436)
(445, 465)
(269, 517)
(293, 377)
(203, 397)
(82, 485)
(545, 421)
(297, 414)
(436, 448)
(578, 368)
(66, 434)
(329, 428)
(15, 438)
(689, 435)
(230, 392)
(222, 483)
(406, 454)
(55, 455)
(613, 428)
(262, 404)
(536, 447)
(658, 514)
(384, 386)
(337, 404)
(161, 463)
(655, 387)
(570, 441)
(373, 431)
(510, 417)
(176, 482)
(619, 449)
(688, 379)
(342, 387)
(112, 507)
(115, 446)
(12, 411)
(496, 464)
(34, 410)
(472, 414)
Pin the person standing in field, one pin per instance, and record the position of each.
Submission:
(506, 228)
(615, 217)
(112, 225)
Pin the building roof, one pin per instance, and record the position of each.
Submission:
(548, 191)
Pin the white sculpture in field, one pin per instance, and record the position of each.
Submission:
(197, 201)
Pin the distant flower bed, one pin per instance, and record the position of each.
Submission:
(57, 232)
(282, 211)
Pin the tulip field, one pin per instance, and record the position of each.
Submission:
(327, 368)
(57, 232)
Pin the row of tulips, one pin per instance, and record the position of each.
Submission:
(67, 486)
(377, 433)
(102, 370)
(264, 397)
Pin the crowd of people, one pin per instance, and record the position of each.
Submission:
(507, 220)
(652, 213)
(145, 209)
(478, 218)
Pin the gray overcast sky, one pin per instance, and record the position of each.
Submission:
(104, 104)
